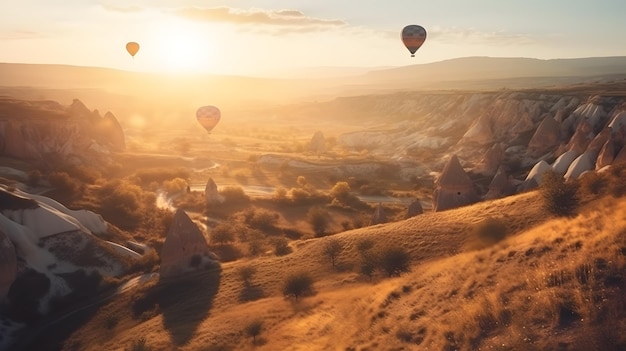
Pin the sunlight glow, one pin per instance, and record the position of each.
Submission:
(182, 47)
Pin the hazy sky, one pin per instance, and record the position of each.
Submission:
(261, 37)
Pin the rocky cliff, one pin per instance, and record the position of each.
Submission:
(45, 131)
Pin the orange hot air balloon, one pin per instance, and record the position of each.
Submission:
(208, 116)
(132, 48)
(413, 36)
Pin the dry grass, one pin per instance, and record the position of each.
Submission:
(549, 284)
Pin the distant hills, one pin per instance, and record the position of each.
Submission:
(483, 73)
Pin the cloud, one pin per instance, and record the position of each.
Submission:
(19, 34)
(276, 18)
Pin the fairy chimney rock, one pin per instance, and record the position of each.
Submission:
(318, 143)
(211, 193)
(546, 137)
(492, 159)
(184, 246)
(415, 208)
(379, 216)
(607, 154)
(500, 186)
(453, 188)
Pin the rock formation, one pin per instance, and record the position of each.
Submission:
(621, 156)
(607, 153)
(8, 264)
(318, 143)
(581, 138)
(211, 193)
(453, 188)
(598, 142)
(561, 164)
(379, 215)
(480, 132)
(414, 209)
(546, 137)
(500, 186)
(185, 248)
(492, 159)
(537, 171)
(582, 163)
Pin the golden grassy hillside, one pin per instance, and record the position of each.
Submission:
(551, 284)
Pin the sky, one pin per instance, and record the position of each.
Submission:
(278, 37)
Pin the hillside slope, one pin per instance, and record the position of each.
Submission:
(552, 284)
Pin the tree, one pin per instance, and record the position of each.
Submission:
(394, 261)
(332, 249)
(319, 219)
(297, 284)
(222, 234)
(254, 329)
(559, 197)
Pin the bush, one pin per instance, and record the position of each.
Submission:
(281, 247)
(490, 230)
(560, 197)
(159, 175)
(332, 250)
(223, 233)
(592, 183)
(65, 183)
(254, 329)
(175, 186)
(234, 195)
(297, 284)
(246, 273)
(319, 219)
(261, 219)
(139, 345)
(395, 261)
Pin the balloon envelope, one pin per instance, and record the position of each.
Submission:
(208, 116)
(413, 36)
(132, 48)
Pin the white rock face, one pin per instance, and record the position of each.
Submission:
(562, 163)
(537, 171)
(581, 164)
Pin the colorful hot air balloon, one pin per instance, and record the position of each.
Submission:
(132, 48)
(208, 116)
(413, 36)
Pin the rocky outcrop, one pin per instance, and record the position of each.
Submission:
(8, 265)
(379, 215)
(211, 193)
(562, 163)
(414, 209)
(45, 132)
(546, 137)
(500, 186)
(581, 138)
(318, 143)
(536, 173)
(594, 147)
(479, 132)
(185, 249)
(453, 188)
(607, 153)
(621, 156)
(492, 159)
(582, 163)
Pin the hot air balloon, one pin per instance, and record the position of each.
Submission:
(208, 116)
(132, 48)
(413, 36)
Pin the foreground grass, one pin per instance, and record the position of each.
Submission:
(549, 284)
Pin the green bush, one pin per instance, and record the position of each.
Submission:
(559, 197)
(297, 284)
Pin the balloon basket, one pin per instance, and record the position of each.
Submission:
(412, 55)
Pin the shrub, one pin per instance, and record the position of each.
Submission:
(340, 191)
(394, 261)
(223, 233)
(319, 219)
(254, 329)
(364, 245)
(110, 322)
(490, 230)
(234, 195)
(246, 273)
(281, 247)
(592, 183)
(175, 186)
(64, 183)
(297, 284)
(261, 219)
(139, 345)
(159, 175)
(332, 249)
(560, 197)
(85, 174)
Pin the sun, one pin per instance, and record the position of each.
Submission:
(182, 47)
